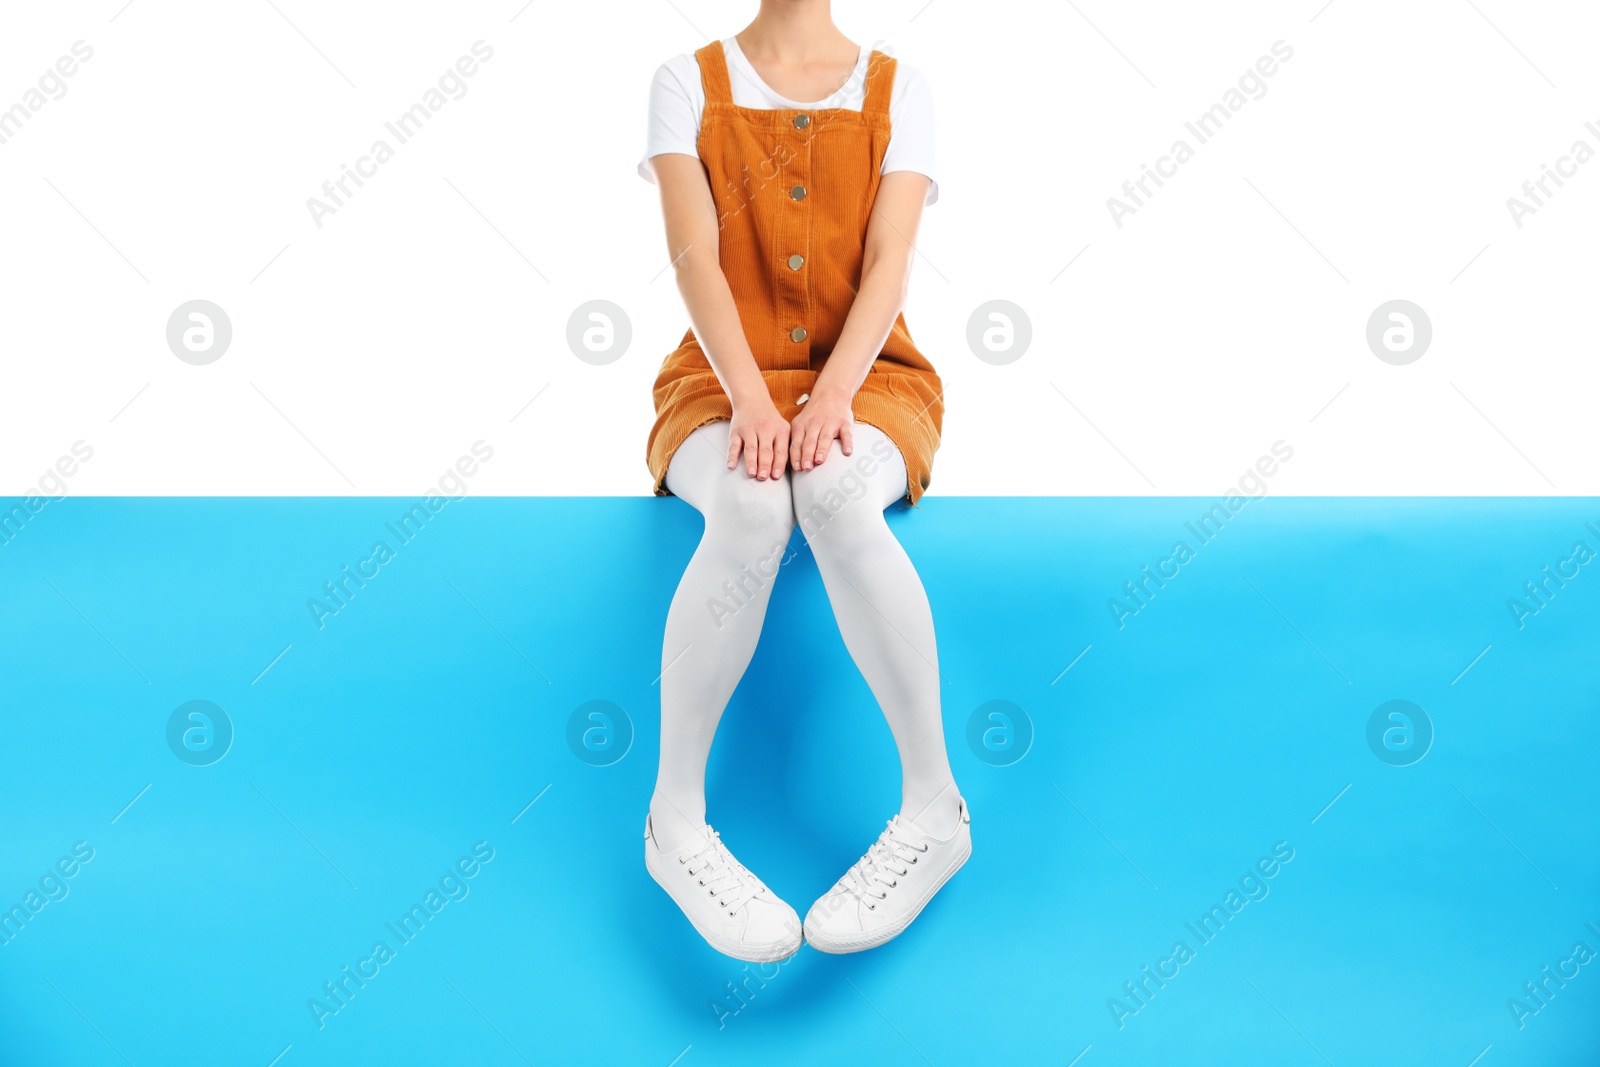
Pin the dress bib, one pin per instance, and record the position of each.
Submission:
(794, 191)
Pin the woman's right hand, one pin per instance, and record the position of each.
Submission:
(761, 433)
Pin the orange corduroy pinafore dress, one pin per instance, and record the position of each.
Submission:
(794, 192)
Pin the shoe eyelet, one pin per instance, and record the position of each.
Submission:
(913, 859)
(872, 907)
(702, 881)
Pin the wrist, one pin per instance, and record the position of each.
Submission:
(750, 395)
(831, 393)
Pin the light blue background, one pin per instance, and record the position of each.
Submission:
(428, 713)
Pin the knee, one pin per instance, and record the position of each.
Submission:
(835, 511)
(754, 517)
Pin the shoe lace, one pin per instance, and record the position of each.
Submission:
(889, 859)
(723, 876)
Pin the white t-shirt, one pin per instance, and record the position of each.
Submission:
(677, 98)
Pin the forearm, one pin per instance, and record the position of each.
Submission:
(717, 326)
(872, 315)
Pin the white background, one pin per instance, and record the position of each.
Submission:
(1228, 313)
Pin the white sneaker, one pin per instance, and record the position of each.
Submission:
(730, 907)
(884, 890)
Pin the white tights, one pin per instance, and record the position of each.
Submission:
(716, 615)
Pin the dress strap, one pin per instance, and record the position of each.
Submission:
(880, 83)
(714, 73)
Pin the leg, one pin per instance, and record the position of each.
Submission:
(715, 618)
(882, 610)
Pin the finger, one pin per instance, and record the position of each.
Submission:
(808, 447)
(825, 444)
(780, 450)
(751, 456)
(734, 443)
(764, 467)
(847, 438)
(797, 446)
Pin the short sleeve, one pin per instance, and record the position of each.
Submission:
(911, 128)
(676, 102)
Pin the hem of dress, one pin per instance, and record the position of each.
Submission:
(870, 408)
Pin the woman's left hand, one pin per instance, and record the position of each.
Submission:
(822, 418)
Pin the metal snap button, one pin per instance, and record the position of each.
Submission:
(797, 193)
(797, 334)
(796, 261)
(802, 120)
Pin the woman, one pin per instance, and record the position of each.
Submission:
(791, 203)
